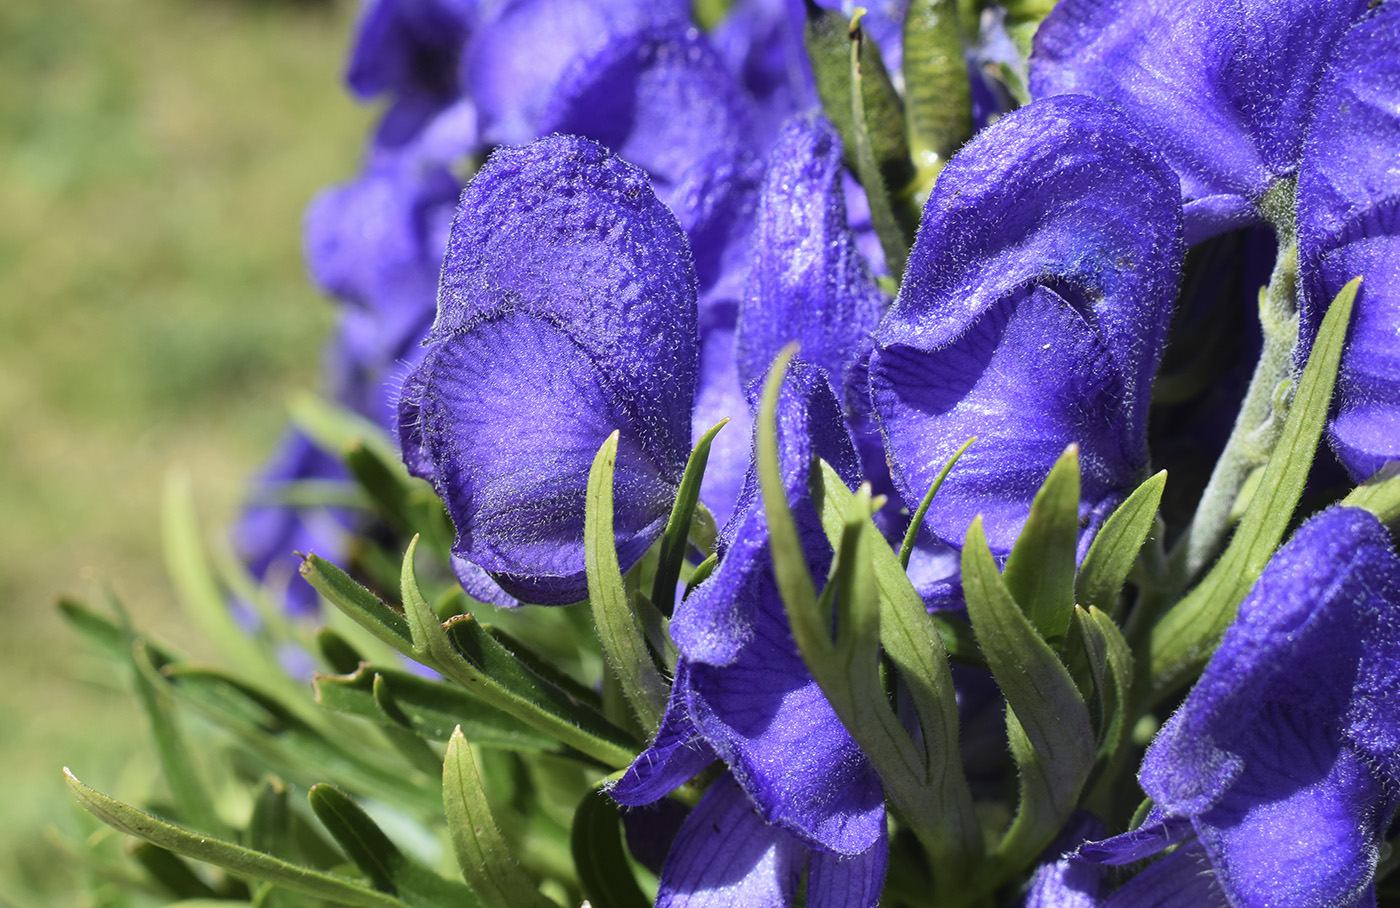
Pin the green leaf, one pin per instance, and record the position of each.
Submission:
(826, 35)
(388, 869)
(335, 428)
(484, 667)
(1052, 739)
(365, 608)
(676, 538)
(430, 643)
(1040, 571)
(1181, 643)
(337, 652)
(1380, 494)
(914, 641)
(234, 858)
(200, 593)
(486, 862)
(269, 828)
(546, 668)
(172, 873)
(400, 733)
(789, 563)
(596, 842)
(624, 645)
(1115, 549)
(925, 784)
(1023, 17)
(916, 522)
(936, 92)
(701, 573)
(97, 628)
(881, 150)
(429, 708)
(1119, 683)
(177, 759)
(284, 737)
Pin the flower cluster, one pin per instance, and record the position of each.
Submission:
(593, 223)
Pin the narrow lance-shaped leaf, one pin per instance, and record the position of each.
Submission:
(1380, 494)
(172, 873)
(293, 746)
(400, 734)
(915, 644)
(234, 858)
(827, 39)
(388, 868)
(177, 758)
(1181, 643)
(482, 853)
(596, 842)
(938, 100)
(1051, 737)
(199, 591)
(365, 608)
(676, 538)
(1120, 665)
(881, 151)
(916, 522)
(1115, 549)
(624, 645)
(468, 655)
(430, 708)
(337, 652)
(1040, 570)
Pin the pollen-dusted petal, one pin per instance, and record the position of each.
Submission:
(567, 311)
(1032, 315)
(1285, 753)
(1349, 226)
(807, 282)
(1225, 89)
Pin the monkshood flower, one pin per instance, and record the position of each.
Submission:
(410, 51)
(376, 245)
(566, 311)
(1349, 225)
(1281, 771)
(1032, 315)
(269, 532)
(1226, 90)
(798, 790)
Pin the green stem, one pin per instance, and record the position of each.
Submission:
(1265, 407)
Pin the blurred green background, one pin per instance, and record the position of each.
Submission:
(155, 160)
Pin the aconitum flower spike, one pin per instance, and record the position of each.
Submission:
(1284, 761)
(566, 311)
(1032, 315)
(1225, 89)
(1349, 225)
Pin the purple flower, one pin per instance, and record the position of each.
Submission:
(1225, 89)
(567, 311)
(1282, 768)
(798, 789)
(409, 50)
(268, 533)
(1349, 225)
(1032, 315)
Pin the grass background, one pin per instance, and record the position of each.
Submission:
(155, 159)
